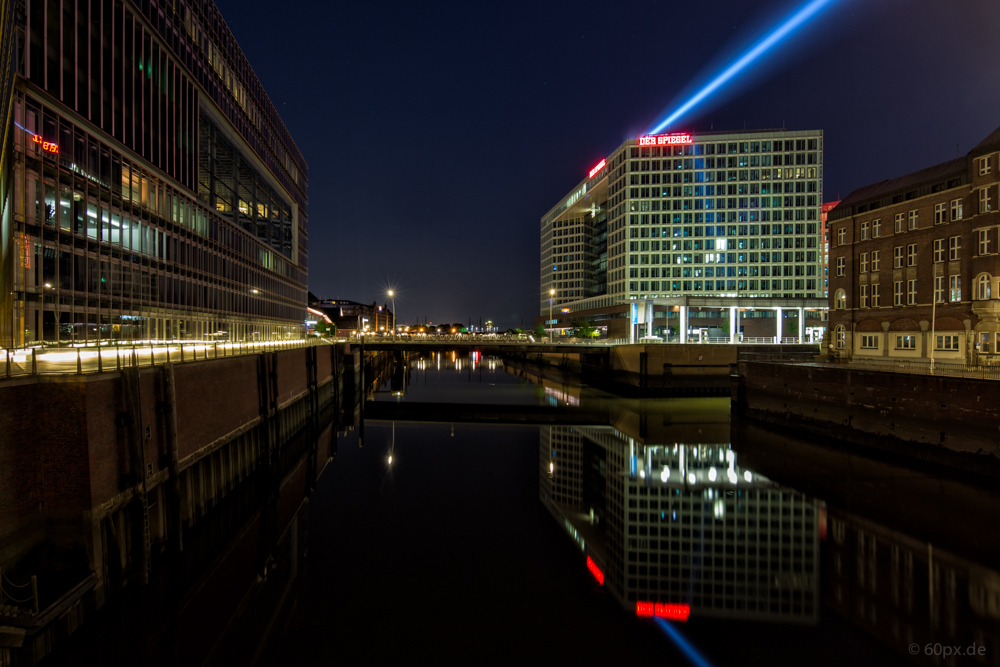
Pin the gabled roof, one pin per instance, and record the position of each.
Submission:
(987, 145)
(937, 173)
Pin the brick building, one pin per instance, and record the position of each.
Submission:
(914, 261)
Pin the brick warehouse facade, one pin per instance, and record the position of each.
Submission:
(914, 261)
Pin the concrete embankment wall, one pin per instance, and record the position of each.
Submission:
(945, 420)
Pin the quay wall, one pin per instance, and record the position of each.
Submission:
(952, 421)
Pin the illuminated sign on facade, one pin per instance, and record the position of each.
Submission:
(671, 612)
(597, 167)
(46, 145)
(665, 140)
(594, 570)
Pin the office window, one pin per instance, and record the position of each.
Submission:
(842, 236)
(954, 248)
(841, 263)
(955, 288)
(900, 221)
(875, 260)
(984, 200)
(876, 298)
(863, 296)
(876, 228)
(897, 293)
(906, 342)
(864, 231)
(939, 289)
(911, 293)
(939, 214)
(983, 287)
(956, 209)
(914, 220)
(869, 341)
(840, 300)
(911, 254)
(985, 165)
(947, 343)
(938, 250)
(984, 241)
(897, 257)
(863, 262)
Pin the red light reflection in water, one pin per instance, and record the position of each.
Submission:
(596, 571)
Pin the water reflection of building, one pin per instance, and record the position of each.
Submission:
(904, 591)
(683, 524)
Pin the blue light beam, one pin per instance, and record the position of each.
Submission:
(689, 651)
(782, 31)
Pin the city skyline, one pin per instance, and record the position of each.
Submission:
(402, 94)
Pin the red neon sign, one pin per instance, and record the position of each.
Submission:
(597, 167)
(671, 612)
(665, 140)
(48, 146)
(596, 571)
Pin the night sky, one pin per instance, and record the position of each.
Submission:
(437, 135)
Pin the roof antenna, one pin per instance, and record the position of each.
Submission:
(956, 150)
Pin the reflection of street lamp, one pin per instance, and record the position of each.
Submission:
(41, 326)
(552, 295)
(393, 300)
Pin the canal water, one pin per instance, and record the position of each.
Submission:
(574, 526)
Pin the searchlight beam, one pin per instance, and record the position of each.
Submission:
(790, 24)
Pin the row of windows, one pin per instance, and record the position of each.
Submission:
(947, 342)
(721, 272)
(722, 285)
(944, 286)
(907, 255)
(873, 229)
(731, 148)
(677, 204)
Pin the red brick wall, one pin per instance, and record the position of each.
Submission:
(291, 374)
(213, 399)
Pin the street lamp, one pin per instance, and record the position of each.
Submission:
(393, 300)
(42, 323)
(552, 297)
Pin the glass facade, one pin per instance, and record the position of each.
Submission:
(156, 194)
(728, 214)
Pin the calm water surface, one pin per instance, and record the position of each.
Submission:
(472, 544)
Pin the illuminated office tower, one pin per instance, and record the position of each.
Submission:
(156, 192)
(715, 214)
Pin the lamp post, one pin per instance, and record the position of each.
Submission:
(393, 300)
(552, 295)
(933, 318)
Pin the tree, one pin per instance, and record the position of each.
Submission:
(326, 329)
(539, 331)
(582, 330)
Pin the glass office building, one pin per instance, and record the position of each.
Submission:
(719, 214)
(155, 192)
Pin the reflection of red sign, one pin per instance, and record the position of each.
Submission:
(597, 167)
(596, 571)
(46, 145)
(665, 140)
(671, 612)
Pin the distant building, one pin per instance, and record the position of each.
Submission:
(914, 263)
(827, 207)
(352, 318)
(719, 216)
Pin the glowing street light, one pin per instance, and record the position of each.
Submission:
(552, 297)
(393, 300)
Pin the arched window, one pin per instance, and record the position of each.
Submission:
(983, 286)
(840, 333)
(840, 300)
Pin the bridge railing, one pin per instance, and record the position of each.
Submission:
(85, 359)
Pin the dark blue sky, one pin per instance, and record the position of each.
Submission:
(437, 135)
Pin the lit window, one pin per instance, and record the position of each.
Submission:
(983, 287)
(984, 200)
(841, 335)
(906, 342)
(955, 248)
(955, 288)
(840, 300)
(956, 209)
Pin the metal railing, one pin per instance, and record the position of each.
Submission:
(923, 367)
(86, 359)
